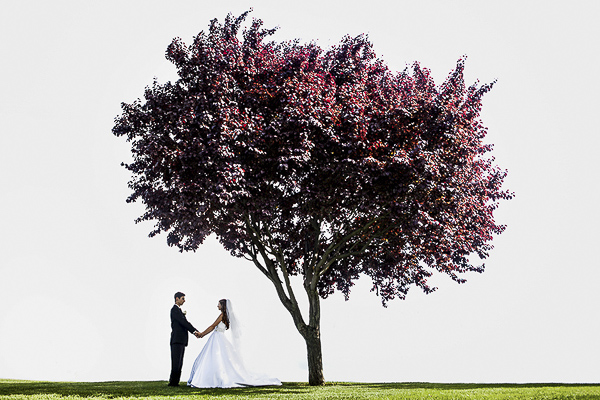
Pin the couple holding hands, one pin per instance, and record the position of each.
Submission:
(219, 363)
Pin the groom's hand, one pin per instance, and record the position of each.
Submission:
(197, 334)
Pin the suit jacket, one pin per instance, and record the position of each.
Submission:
(180, 326)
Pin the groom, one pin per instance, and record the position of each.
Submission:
(179, 338)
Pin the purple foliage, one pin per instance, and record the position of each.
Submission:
(314, 162)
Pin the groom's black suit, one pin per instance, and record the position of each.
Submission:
(179, 340)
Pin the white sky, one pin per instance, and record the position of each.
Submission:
(85, 294)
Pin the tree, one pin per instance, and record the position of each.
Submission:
(312, 163)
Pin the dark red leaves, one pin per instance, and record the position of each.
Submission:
(325, 159)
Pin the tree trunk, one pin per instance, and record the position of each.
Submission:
(311, 332)
(312, 337)
(315, 358)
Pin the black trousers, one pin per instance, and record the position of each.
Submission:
(177, 350)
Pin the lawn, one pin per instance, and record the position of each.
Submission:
(21, 390)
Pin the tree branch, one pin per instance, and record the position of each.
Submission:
(325, 263)
(288, 300)
(253, 257)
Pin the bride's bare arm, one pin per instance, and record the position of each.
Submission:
(213, 326)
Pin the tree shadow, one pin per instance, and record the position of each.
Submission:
(137, 389)
(462, 386)
(141, 389)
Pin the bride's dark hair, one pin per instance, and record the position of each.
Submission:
(223, 303)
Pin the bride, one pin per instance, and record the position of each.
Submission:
(219, 364)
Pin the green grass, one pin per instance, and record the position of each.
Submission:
(22, 390)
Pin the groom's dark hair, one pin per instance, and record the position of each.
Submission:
(179, 295)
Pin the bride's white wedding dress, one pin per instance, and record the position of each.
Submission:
(219, 365)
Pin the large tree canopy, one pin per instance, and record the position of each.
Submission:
(318, 163)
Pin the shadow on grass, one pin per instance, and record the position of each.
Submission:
(160, 388)
(465, 386)
(135, 389)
